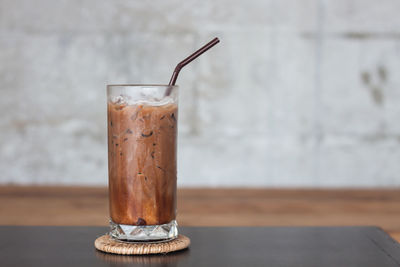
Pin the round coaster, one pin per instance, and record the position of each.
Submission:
(107, 244)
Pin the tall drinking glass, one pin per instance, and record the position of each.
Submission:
(142, 168)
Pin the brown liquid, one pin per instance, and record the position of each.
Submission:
(142, 163)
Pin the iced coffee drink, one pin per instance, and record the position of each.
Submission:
(142, 151)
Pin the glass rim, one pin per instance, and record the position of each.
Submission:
(138, 85)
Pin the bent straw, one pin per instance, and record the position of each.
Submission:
(187, 60)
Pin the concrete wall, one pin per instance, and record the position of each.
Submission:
(298, 93)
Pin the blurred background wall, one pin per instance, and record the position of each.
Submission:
(298, 93)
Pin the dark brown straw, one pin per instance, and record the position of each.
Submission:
(187, 60)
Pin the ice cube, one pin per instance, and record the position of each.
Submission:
(152, 101)
(121, 99)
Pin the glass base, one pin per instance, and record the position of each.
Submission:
(142, 233)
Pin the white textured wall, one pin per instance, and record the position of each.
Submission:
(298, 93)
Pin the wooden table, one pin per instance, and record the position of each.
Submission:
(211, 246)
(212, 207)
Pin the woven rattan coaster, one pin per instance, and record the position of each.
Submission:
(106, 244)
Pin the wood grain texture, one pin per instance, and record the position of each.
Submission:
(211, 207)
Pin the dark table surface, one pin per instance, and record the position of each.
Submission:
(211, 246)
